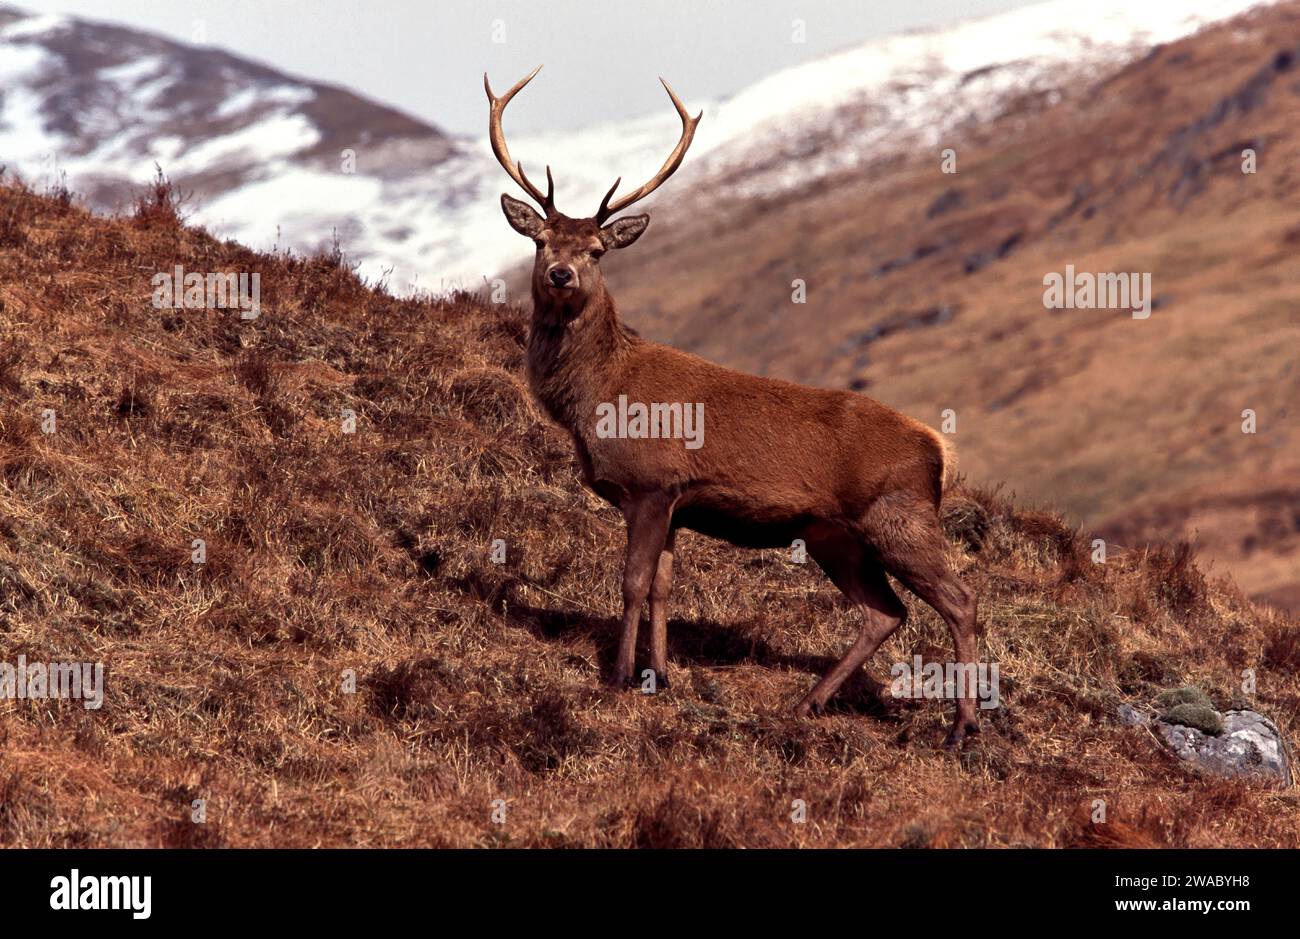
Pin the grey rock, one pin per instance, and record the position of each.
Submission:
(1130, 716)
(1250, 745)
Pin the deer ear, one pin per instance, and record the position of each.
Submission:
(522, 217)
(622, 232)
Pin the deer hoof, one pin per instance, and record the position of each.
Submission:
(960, 731)
(809, 708)
(619, 681)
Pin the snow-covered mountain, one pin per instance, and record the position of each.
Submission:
(277, 160)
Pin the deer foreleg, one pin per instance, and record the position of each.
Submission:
(647, 532)
(659, 590)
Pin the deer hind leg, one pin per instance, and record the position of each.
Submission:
(659, 590)
(863, 581)
(648, 520)
(907, 534)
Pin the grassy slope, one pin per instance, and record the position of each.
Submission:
(476, 681)
(1131, 427)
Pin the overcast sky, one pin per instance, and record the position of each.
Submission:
(427, 57)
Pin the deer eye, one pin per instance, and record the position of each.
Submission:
(596, 253)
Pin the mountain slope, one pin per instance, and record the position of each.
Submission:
(926, 289)
(96, 106)
(368, 555)
(261, 151)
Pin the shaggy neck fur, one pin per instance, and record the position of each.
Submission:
(575, 356)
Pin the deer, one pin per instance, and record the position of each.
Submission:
(859, 483)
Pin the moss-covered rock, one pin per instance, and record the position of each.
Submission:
(1186, 695)
(1250, 744)
(1205, 719)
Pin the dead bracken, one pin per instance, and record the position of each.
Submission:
(367, 556)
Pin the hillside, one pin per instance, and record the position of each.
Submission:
(926, 289)
(262, 154)
(263, 151)
(370, 551)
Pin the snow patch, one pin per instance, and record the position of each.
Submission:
(34, 26)
(443, 228)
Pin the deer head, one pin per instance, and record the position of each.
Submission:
(566, 270)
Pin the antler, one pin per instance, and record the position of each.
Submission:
(670, 165)
(502, 152)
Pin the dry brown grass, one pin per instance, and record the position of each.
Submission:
(475, 681)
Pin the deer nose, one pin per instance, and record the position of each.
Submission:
(560, 276)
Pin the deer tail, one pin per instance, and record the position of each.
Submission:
(943, 463)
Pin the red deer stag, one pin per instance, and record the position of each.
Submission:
(858, 482)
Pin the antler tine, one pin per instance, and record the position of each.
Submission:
(498, 138)
(604, 212)
(670, 165)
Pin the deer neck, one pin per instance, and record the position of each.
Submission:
(573, 360)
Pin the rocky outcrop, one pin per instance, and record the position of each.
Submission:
(1232, 743)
